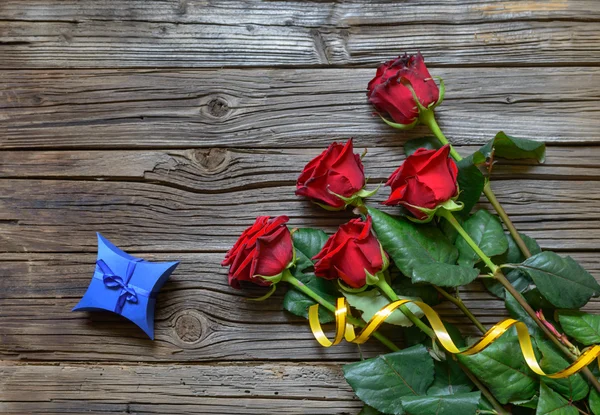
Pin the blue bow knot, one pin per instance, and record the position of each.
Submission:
(113, 281)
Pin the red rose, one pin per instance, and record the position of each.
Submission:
(426, 179)
(388, 94)
(264, 249)
(336, 170)
(350, 253)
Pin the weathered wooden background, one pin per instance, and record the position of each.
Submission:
(169, 125)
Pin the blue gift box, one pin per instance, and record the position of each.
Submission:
(125, 285)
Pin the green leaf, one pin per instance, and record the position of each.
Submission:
(529, 403)
(519, 279)
(595, 401)
(574, 387)
(371, 301)
(449, 379)
(535, 298)
(516, 311)
(562, 281)
(503, 370)
(551, 403)
(513, 254)
(369, 410)
(308, 242)
(583, 327)
(509, 147)
(298, 303)
(381, 382)
(463, 404)
(405, 287)
(486, 231)
(485, 405)
(421, 252)
(430, 143)
(470, 184)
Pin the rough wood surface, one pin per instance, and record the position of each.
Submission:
(168, 125)
(248, 34)
(176, 389)
(199, 317)
(282, 108)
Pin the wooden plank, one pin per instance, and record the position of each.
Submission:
(235, 40)
(62, 215)
(282, 108)
(176, 389)
(298, 13)
(227, 169)
(199, 317)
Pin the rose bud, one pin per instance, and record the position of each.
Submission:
(263, 250)
(402, 88)
(353, 254)
(424, 182)
(334, 179)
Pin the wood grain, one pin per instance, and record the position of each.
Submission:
(57, 215)
(226, 169)
(333, 36)
(199, 317)
(202, 118)
(298, 13)
(282, 108)
(302, 388)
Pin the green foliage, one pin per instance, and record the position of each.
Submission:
(486, 231)
(583, 327)
(551, 403)
(381, 382)
(421, 252)
(519, 279)
(508, 147)
(470, 183)
(574, 387)
(513, 255)
(371, 301)
(595, 401)
(503, 370)
(562, 281)
(308, 242)
(449, 379)
(429, 143)
(516, 311)
(369, 410)
(404, 287)
(464, 404)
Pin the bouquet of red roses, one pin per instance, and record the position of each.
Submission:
(392, 268)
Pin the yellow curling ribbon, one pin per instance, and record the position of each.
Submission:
(346, 330)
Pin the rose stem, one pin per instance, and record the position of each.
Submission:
(288, 277)
(428, 119)
(487, 190)
(499, 276)
(459, 303)
(391, 294)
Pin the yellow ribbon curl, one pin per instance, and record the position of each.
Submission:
(346, 330)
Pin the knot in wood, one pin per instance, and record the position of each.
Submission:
(212, 160)
(188, 327)
(218, 107)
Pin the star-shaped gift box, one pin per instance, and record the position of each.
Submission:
(125, 285)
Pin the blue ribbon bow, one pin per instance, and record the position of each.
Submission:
(129, 293)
